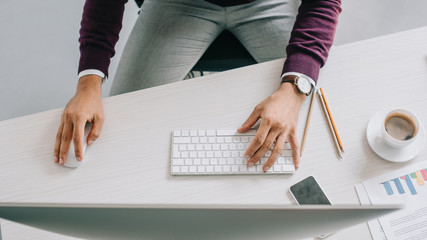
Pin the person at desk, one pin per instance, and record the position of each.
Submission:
(168, 39)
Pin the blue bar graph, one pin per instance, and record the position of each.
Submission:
(388, 188)
(409, 183)
(398, 186)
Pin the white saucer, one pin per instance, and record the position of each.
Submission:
(382, 149)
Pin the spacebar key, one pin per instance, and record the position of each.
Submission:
(234, 132)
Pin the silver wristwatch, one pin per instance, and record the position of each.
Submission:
(304, 85)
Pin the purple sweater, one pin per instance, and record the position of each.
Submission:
(311, 38)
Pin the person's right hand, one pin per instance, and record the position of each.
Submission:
(85, 106)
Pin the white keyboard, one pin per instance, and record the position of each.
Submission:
(219, 152)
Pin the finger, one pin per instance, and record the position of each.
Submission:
(275, 153)
(293, 142)
(258, 140)
(95, 131)
(58, 142)
(252, 119)
(78, 135)
(67, 135)
(264, 148)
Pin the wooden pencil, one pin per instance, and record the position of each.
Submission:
(307, 123)
(331, 129)
(332, 120)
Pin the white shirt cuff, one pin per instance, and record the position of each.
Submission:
(92, 72)
(313, 83)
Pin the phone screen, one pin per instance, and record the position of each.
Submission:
(308, 191)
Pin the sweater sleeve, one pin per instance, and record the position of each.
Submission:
(100, 27)
(312, 36)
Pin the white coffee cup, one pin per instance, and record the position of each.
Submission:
(400, 128)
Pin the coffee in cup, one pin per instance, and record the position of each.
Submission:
(400, 128)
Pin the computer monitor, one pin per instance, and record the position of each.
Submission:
(164, 222)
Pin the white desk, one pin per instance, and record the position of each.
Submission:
(130, 161)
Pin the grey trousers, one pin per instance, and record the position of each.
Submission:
(170, 36)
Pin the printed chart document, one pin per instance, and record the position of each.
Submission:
(408, 186)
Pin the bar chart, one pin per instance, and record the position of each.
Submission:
(406, 184)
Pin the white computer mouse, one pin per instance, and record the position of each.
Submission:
(71, 160)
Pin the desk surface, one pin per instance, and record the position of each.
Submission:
(130, 161)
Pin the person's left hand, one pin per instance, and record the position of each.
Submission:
(279, 118)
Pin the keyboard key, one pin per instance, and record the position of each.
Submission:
(201, 169)
(201, 133)
(182, 140)
(193, 133)
(193, 169)
(184, 154)
(287, 153)
(176, 133)
(178, 162)
(210, 133)
(185, 133)
(176, 154)
(288, 168)
(263, 160)
(176, 169)
(189, 162)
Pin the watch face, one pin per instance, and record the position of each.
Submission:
(304, 85)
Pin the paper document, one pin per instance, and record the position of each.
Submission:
(377, 231)
(408, 186)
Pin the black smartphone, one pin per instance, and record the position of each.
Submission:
(308, 191)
